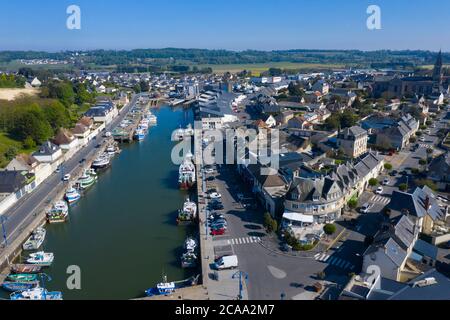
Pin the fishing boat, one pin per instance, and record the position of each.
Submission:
(35, 240)
(186, 174)
(72, 195)
(152, 119)
(188, 213)
(102, 162)
(111, 150)
(37, 293)
(58, 213)
(19, 286)
(22, 277)
(189, 260)
(41, 258)
(139, 135)
(167, 288)
(87, 179)
(190, 245)
(25, 268)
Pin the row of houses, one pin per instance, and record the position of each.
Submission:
(26, 172)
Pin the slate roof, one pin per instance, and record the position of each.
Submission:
(415, 204)
(47, 149)
(395, 239)
(355, 131)
(12, 181)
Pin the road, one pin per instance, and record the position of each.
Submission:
(270, 274)
(22, 213)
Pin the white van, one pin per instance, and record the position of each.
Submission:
(227, 262)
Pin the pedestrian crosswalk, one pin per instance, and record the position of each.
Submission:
(380, 199)
(245, 240)
(334, 261)
(424, 145)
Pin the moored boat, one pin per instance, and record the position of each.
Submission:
(189, 260)
(190, 245)
(72, 195)
(186, 174)
(188, 213)
(35, 240)
(58, 213)
(167, 288)
(102, 162)
(22, 277)
(36, 294)
(87, 179)
(25, 268)
(19, 286)
(41, 258)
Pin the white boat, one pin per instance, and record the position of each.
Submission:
(72, 195)
(37, 293)
(41, 258)
(101, 162)
(35, 240)
(111, 150)
(139, 134)
(190, 245)
(88, 178)
(58, 213)
(186, 174)
(188, 213)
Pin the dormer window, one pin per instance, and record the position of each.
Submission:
(316, 198)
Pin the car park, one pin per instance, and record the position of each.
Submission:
(215, 195)
(366, 207)
(218, 232)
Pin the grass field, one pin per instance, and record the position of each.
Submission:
(258, 68)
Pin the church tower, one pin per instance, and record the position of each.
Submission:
(437, 74)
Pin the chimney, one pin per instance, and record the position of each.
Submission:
(427, 204)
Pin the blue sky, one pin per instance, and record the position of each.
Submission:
(225, 24)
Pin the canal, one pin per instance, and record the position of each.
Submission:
(122, 233)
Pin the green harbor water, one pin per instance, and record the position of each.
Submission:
(122, 233)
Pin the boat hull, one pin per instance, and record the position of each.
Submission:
(19, 286)
(25, 268)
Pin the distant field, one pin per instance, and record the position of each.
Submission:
(430, 67)
(11, 94)
(258, 68)
(16, 65)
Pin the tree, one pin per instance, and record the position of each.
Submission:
(423, 162)
(29, 143)
(270, 224)
(353, 203)
(329, 229)
(373, 182)
(430, 151)
(11, 152)
(388, 166)
(426, 182)
(403, 187)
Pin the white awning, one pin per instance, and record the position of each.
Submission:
(294, 216)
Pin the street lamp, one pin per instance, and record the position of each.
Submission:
(241, 275)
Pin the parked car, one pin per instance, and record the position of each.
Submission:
(379, 190)
(393, 173)
(217, 206)
(67, 177)
(386, 181)
(209, 170)
(217, 232)
(215, 195)
(365, 208)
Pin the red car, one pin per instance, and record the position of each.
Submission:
(217, 232)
